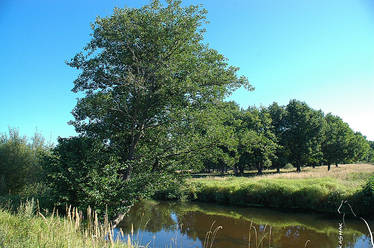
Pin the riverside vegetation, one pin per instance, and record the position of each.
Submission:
(29, 228)
(312, 189)
(152, 111)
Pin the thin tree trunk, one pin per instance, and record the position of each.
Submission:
(236, 170)
(129, 159)
(298, 168)
(328, 167)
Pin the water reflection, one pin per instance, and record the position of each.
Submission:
(171, 224)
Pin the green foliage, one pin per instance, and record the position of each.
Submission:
(370, 157)
(317, 194)
(304, 132)
(289, 166)
(82, 172)
(359, 148)
(150, 83)
(177, 189)
(258, 143)
(150, 88)
(337, 143)
(369, 187)
(323, 194)
(20, 161)
(363, 200)
(278, 126)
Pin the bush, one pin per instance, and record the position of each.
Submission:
(363, 200)
(177, 189)
(288, 166)
(20, 161)
(80, 172)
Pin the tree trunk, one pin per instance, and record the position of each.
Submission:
(259, 169)
(236, 171)
(278, 169)
(223, 170)
(241, 169)
(336, 164)
(156, 165)
(314, 166)
(130, 157)
(298, 168)
(328, 167)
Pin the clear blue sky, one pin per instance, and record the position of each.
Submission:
(320, 52)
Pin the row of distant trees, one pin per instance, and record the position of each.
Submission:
(275, 136)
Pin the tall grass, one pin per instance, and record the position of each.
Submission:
(30, 228)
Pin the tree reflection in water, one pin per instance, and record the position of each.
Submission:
(167, 222)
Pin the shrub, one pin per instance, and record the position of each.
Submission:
(289, 166)
(20, 161)
(363, 200)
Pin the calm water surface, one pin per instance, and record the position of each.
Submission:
(174, 224)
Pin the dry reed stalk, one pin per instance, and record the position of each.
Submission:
(207, 235)
(214, 235)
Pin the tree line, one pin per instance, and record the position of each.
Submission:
(274, 136)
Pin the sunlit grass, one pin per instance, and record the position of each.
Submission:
(348, 176)
(313, 188)
(28, 228)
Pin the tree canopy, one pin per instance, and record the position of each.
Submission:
(150, 86)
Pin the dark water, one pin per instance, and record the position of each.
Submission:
(173, 224)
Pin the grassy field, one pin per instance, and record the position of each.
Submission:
(312, 189)
(28, 229)
(349, 177)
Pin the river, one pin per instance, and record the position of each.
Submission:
(175, 224)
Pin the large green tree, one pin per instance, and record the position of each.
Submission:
(304, 133)
(149, 86)
(359, 148)
(225, 155)
(371, 152)
(278, 127)
(257, 142)
(336, 144)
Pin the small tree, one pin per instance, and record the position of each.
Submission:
(20, 161)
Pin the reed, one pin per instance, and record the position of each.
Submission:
(30, 228)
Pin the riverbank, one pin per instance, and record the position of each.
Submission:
(314, 189)
(28, 228)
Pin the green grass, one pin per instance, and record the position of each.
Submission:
(281, 193)
(28, 229)
(313, 189)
